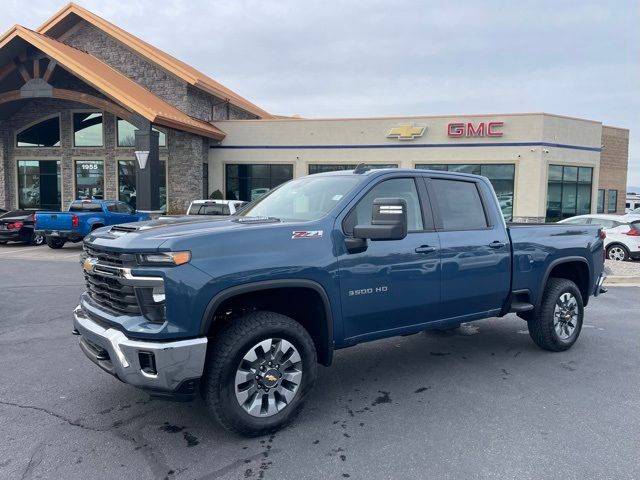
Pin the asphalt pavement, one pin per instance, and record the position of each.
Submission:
(480, 402)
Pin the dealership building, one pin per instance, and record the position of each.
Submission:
(78, 94)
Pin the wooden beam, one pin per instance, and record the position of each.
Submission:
(84, 98)
(6, 70)
(23, 71)
(36, 68)
(49, 71)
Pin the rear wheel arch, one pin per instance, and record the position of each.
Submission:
(303, 300)
(575, 269)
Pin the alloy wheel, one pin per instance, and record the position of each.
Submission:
(565, 315)
(268, 377)
(616, 253)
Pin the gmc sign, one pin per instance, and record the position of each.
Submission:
(482, 129)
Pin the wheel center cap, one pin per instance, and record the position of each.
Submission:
(270, 378)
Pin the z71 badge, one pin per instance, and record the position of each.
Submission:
(306, 234)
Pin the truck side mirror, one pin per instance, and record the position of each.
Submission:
(388, 221)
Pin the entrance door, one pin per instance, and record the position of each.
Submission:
(392, 284)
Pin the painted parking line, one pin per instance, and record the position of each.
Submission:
(13, 251)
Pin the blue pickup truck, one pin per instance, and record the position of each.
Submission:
(243, 308)
(83, 217)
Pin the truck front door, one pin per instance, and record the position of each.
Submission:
(392, 284)
(475, 249)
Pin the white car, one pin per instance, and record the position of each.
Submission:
(623, 234)
(215, 207)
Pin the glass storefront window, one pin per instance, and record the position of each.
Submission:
(127, 137)
(87, 130)
(500, 175)
(612, 201)
(39, 184)
(89, 179)
(127, 183)
(249, 182)
(600, 201)
(568, 192)
(42, 134)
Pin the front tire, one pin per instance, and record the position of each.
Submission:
(55, 243)
(618, 253)
(258, 373)
(557, 323)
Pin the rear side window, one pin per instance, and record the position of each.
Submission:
(215, 209)
(459, 204)
(85, 207)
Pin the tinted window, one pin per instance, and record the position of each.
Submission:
(43, 134)
(87, 129)
(459, 204)
(112, 207)
(396, 188)
(122, 207)
(85, 207)
(127, 136)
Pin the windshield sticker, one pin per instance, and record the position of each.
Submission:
(336, 198)
(306, 234)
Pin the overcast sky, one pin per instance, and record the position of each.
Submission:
(373, 58)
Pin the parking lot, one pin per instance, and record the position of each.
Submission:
(479, 402)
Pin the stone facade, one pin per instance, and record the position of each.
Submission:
(613, 165)
(185, 152)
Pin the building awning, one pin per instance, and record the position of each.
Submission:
(108, 81)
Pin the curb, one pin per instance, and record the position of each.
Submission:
(623, 280)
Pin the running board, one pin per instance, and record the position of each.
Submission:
(517, 307)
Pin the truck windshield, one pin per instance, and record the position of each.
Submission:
(304, 199)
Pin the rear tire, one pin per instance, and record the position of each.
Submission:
(617, 252)
(556, 324)
(37, 239)
(3, 243)
(55, 243)
(236, 356)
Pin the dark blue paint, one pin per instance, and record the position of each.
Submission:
(462, 280)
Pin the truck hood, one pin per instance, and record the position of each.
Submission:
(160, 234)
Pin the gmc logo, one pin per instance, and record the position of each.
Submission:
(482, 129)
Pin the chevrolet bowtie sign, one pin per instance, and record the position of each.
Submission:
(406, 132)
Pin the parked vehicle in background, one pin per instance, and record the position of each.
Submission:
(635, 213)
(623, 234)
(18, 226)
(632, 203)
(3, 211)
(246, 306)
(215, 207)
(82, 217)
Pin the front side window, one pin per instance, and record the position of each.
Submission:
(39, 184)
(459, 204)
(127, 136)
(87, 130)
(42, 134)
(612, 201)
(89, 179)
(404, 188)
(303, 199)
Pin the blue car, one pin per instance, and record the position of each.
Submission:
(83, 217)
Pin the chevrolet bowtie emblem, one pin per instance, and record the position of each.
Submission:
(271, 378)
(89, 263)
(406, 132)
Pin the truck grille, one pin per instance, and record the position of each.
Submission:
(112, 295)
(106, 257)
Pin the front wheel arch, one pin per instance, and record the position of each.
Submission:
(303, 300)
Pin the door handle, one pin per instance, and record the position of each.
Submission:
(497, 244)
(425, 249)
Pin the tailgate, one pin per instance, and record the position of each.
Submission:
(53, 221)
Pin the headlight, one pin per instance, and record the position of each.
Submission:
(164, 258)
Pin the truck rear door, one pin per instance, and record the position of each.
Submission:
(475, 252)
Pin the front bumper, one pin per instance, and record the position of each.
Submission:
(175, 368)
